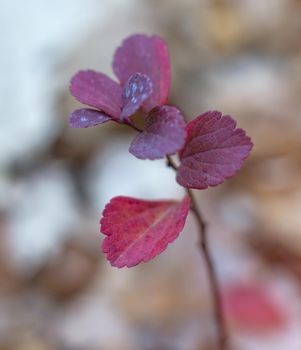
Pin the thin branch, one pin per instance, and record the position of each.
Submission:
(217, 302)
(131, 125)
(170, 163)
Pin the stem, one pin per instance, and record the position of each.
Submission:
(203, 244)
(131, 125)
(217, 302)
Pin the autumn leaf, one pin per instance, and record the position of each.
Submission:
(138, 230)
(214, 151)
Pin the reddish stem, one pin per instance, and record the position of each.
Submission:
(203, 243)
(217, 302)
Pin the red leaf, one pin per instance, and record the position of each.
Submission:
(136, 90)
(97, 90)
(214, 150)
(148, 55)
(164, 134)
(252, 307)
(138, 230)
(85, 117)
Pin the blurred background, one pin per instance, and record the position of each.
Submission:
(57, 292)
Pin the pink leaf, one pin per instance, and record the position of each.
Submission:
(136, 90)
(85, 117)
(148, 55)
(253, 308)
(214, 150)
(97, 90)
(164, 134)
(138, 230)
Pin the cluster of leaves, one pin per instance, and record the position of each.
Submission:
(210, 147)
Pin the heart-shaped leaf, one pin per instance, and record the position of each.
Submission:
(164, 134)
(148, 55)
(136, 90)
(85, 117)
(97, 90)
(137, 230)
(214, 150)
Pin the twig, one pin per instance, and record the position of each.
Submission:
(129, 123)
(217, 302)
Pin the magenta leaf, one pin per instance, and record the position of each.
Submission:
(136, 90)
(148, 55)
(97, 90)
(85, 117)
(138, 230)
(214, 150)
(164, 134)
(252, 307)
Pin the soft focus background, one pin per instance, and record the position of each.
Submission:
(57, 292)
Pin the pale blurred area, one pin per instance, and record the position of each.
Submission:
(57, 292)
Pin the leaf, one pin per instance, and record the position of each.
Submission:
(253, 308)
(164, 134)
(214, 150)
(97, 90)
(136, 90)
(138, 230)
(85, 117)
(148, 55)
